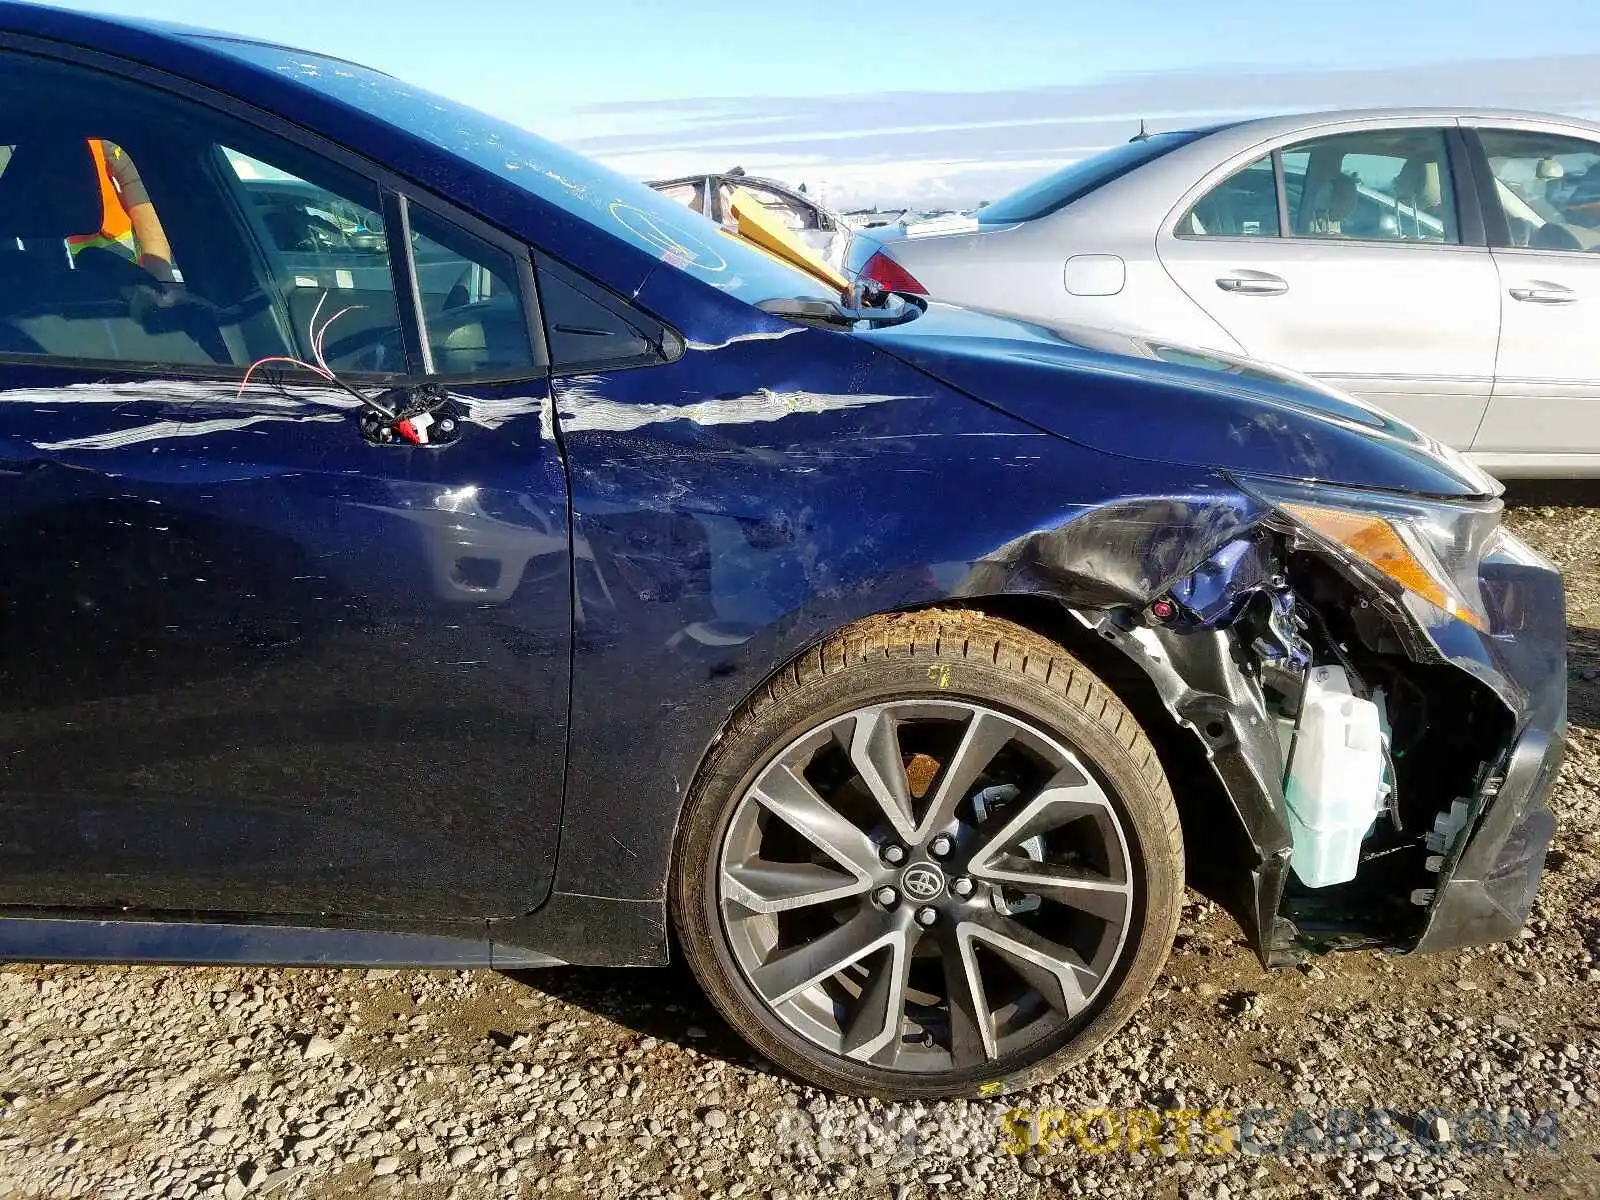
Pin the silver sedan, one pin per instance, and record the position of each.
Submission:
(1443, 264)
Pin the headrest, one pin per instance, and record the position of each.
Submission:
(50, 189)
(1342, 196)
(1550, 168)
(1418, 182)
(1333, 201)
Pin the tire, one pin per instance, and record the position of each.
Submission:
(762, 871)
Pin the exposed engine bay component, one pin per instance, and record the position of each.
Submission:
(1447, 827)
(1335, 784)
(1342, 717)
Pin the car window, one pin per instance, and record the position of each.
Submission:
(329, 252)
(585, 328)
(1243, 205)
(1072, 182)
(325, 248)
(137, 227)
(1548, 186)
(101, 258)
(471, 304)
(1388, 185)
(623, 208)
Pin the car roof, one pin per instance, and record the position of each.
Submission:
(1257, 128)
(101, 31)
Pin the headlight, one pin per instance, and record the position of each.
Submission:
(1416, 548)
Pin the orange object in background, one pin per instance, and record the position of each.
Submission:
(759, 227)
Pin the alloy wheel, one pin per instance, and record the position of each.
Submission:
(926, 885)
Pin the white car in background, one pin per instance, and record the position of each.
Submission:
(1443, 264)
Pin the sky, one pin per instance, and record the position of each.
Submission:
(922, 102)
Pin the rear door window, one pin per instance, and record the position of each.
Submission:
(1243, 205)
(1386, 185)
(1072, 182)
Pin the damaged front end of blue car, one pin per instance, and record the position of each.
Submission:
(1332, 620)
(1378, 683)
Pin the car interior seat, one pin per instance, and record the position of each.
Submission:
(1333, 203)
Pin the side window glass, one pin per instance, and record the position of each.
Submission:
(91, 267)
(1387, 185)
(326, 249)
(1243, 205)
(1548, 186)
(584, 331)
(470, 301)
(137, 227)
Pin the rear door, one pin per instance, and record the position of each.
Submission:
(1544, 222)
(1352, 256)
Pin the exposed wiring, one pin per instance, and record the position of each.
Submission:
(320, 367)
(281, 358)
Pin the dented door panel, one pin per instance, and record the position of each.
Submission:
(255, 664)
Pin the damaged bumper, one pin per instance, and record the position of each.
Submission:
(1491, 870)
(1477, 693)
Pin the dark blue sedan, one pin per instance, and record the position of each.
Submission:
(423, 546)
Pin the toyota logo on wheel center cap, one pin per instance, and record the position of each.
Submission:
(923, 881)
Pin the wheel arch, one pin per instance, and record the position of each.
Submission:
(1220, 851)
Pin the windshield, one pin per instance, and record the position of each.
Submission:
(622, 207)
(1044, 196)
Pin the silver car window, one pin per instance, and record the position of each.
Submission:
(1383, 185)
(1243, 205)
(1045, 196)
(1548, 186)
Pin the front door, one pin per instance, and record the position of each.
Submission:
(261, 653)
(1342, 256)
(1547, 234)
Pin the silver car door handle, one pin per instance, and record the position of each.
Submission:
(1253, 283)
(1544, 293)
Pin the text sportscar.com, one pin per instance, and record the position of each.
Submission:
(888, 1136)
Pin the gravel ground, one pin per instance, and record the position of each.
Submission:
(144, 1081)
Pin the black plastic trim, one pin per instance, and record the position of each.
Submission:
(1467, 187)
(58, 939)
(1497, 230)
(408, 296)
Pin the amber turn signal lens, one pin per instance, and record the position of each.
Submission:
(1378, 544)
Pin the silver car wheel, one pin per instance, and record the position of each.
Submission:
(926, 885)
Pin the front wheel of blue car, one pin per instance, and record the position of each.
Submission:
(935, 856)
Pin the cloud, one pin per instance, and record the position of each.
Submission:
(954, 148)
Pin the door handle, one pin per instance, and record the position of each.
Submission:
(1544, 293)
(1253, 283)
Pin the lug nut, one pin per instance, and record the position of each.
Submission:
(893, 855)
(941, 845)
(961, 887)
(927, 915)
(886, 896)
